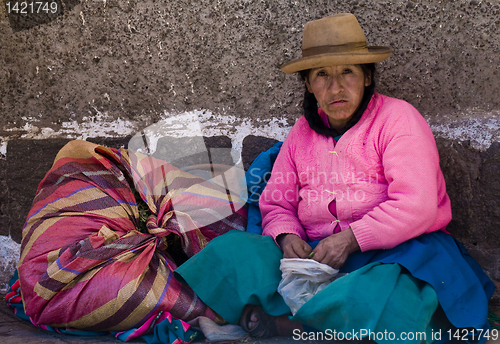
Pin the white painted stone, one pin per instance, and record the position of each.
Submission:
(3, 148)
(9, 257)
(481, 128)
(191, 123)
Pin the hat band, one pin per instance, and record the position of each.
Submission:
(325, 49)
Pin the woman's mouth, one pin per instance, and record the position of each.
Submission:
(341, 101)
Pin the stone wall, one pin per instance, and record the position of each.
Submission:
(103, 70)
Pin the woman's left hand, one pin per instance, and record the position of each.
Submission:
(335, 249)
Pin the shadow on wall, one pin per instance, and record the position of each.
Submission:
(24, 15)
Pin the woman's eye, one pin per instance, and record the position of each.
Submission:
(347, 71)
(321, 73)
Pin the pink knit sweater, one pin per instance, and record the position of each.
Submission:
(383, 174)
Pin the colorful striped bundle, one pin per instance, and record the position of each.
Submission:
(85, 263)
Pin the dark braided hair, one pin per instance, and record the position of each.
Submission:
(310, 104)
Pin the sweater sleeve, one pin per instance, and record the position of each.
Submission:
(415, 192)
(280, 199)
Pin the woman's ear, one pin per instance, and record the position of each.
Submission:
(368, 79)
(308, 85)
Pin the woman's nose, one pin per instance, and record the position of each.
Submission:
(335, 85)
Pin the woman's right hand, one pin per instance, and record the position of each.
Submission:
(293, 246)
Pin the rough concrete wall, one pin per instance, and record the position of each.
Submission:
(108, 68)
(134, 60)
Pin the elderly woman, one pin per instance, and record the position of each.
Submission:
(357, 186)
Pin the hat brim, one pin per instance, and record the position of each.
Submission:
(374, 54)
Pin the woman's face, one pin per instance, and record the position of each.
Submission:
(338, 90)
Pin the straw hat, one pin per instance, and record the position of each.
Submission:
(334, 40)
